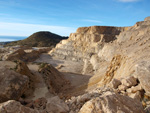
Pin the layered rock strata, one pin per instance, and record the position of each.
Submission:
(118, 55)
(110, 52)
(85, 42)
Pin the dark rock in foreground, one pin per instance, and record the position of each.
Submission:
(12, 84)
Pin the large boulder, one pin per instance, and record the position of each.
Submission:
(86, 42)
(143, 74)
(12, 84)
(13, 106)
(23, 69)
(112, 103)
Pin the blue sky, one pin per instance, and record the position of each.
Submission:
(24, 17)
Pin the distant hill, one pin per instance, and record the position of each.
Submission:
(39, 39)
(4, 43)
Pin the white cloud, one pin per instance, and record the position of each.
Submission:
(94, 21)
(128, 0)
(21, 29)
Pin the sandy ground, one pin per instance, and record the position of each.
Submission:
(71, 70)
(41, 90)
(66, 66)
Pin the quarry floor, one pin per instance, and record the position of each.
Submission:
(71, 71)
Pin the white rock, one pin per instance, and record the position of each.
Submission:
(112, 103)
(134, 89)
(122, 87)
(136, 95)
(143, 73)
(115, 83)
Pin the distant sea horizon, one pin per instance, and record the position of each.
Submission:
(11, 38)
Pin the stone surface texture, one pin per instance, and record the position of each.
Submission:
(54, 80)
(112, 103)
(116, 58)
(13, 106)
(99, 47)
(12, 84)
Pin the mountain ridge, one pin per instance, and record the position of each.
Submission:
(39, 39)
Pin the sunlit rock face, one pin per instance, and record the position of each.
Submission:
(102, 50)
(86, 42)
(116, 57)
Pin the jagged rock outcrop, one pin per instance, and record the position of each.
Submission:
(112, 53)
(96, 46)
(131, 45)
(12, 84)
(54, 80)
(23, 69)
(112, 103)
(104, 100)
(85, 42)
(128, 86)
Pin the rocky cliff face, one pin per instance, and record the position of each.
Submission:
(112, 53)
(97, 46)
(117, 57)
(85, 43)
